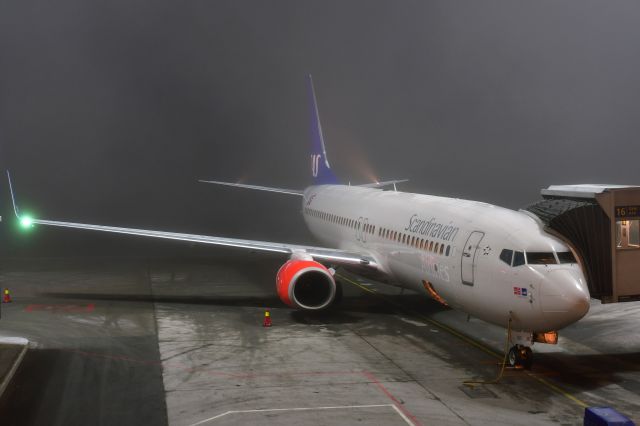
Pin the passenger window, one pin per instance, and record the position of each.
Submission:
(436, 248)
(431, 246)
(447, 252)
(518, 258)
(506, 256)
(441, 248)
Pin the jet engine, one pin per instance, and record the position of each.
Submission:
(305, 284)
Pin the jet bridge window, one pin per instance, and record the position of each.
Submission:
(541, 258)
(506, 255)
(628, 234)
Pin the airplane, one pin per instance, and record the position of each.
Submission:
(493, 263)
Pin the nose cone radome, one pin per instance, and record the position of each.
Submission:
(565, 297)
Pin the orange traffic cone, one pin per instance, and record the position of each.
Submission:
(267, 319)
(7, 297)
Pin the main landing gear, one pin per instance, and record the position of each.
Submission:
(520, 357)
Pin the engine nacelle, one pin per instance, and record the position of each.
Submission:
(305, 284)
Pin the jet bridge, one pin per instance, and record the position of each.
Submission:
(602, 224)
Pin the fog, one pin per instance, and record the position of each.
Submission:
(111, 110)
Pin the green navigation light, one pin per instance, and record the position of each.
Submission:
(26, 222)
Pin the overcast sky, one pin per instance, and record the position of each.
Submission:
(111, 110)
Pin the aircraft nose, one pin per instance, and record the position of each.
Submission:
(565, 296)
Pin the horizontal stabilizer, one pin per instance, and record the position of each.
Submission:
(259, 188)
(383, 184)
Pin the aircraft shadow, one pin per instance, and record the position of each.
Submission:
(593, 371)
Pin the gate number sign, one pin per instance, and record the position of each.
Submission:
(624, 212)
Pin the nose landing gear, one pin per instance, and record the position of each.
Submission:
(520, 357)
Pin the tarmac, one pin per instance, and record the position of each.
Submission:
(12, 351)
(180, 341)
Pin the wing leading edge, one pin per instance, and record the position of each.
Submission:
(320, 254)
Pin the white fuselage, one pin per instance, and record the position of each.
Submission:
(451, 250)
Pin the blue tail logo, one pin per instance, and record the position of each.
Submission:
(320, 168)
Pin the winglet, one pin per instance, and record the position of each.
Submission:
(13, 198)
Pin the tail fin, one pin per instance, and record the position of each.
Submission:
(320, 168)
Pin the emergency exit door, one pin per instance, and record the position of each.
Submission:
(469, 257)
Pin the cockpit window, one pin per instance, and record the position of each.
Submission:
(566, 257)
(541, 258)
(518, 258)
(506, 256)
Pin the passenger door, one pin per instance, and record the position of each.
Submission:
(469, 254)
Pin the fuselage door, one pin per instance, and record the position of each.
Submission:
(469, 257)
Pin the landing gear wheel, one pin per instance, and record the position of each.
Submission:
(526, 357)
(520, 356)
(512, 357)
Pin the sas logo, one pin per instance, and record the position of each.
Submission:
(315, 164)
(520, 291)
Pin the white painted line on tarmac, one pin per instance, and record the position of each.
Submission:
(338, 407)
(412, 322)
(401, 414)
(19, 341)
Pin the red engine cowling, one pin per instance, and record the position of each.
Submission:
(305, 284)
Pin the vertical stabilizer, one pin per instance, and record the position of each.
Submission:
(320, 169)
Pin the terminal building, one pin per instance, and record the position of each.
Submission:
(602, 224)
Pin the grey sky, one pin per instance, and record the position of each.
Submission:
(110, 110)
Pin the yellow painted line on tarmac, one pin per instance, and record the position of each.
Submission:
(558, 389)
(468, 340)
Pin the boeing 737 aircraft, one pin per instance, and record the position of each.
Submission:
(495, 264)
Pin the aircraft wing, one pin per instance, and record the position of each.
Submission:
(326, 255)
(323, 255)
